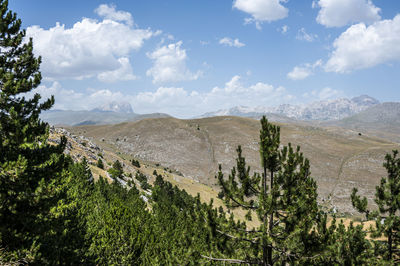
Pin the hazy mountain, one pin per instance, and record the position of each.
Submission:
(118, 107)
(382, 120)
(321, 110)
(78, 118)
(62, 117)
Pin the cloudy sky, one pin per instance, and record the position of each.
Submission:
(187, 57)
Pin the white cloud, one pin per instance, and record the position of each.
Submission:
(230, 42)
(284, 29)
(109, 12)
(326, 93)
(182, 103)
(338, 13)
(362, 47)
(262, 10)
(64, 99)
(172, 100)
(123, 73)
(304, 71)
(170, 64)
(87, 49)
(235, 93)
(304, 36)
(299, 73)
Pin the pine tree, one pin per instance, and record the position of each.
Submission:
(30, 168)
(117, 170)
(387, 217)
(100, 163)
(284, 198)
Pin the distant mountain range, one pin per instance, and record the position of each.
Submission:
(110, 113)
(321, 110)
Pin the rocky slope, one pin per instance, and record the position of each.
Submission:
(340, 159)
(382, 120)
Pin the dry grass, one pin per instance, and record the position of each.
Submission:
(340, 159)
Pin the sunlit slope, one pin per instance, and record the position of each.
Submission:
(340, 159)
(382, 120)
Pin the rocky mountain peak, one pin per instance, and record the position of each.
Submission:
(365, 100)
(333, 109)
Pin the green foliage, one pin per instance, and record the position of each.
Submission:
(32, 172)
(100, 163)
(117, 225)
(142, 178)
(287, 208)
(135, 163)
(116, 171)
(181, 231)
(387, 218)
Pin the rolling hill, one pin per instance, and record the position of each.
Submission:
(382, 120)
(340, 159)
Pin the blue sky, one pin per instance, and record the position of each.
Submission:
(188, 57)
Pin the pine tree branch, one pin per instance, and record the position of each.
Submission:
(250, 231)
(294, 255)
(256, 191)
(229, 260)
(243, 205)
(254, 241)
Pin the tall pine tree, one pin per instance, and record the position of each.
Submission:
(30, 168)
(387, 217)
(283, 196)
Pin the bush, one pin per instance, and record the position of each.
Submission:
(100, 164)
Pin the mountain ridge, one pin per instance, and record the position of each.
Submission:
(335, 109)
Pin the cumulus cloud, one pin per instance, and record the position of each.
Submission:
(90, 47)
(326, 93)
(170, 64)
(299, 73)
(64, 99)
(304, 36)
(176, 101)
(236, 93)
(109, 12)
(338, 13)
(182, 103)
(262, 10)
(125, 72)
(362, 46)
(230, 42)
(303, 71)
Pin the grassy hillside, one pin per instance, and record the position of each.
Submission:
(340, 159)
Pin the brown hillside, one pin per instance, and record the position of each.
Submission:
(340, 159)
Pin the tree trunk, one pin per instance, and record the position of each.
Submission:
(390, 243)
(271, 223)
(265, 248)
